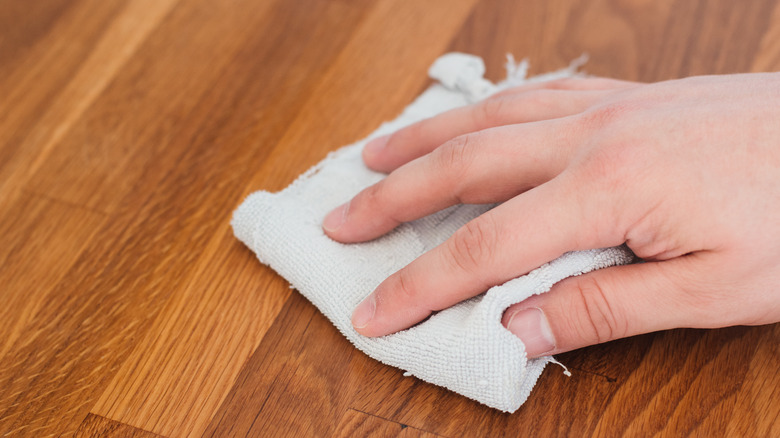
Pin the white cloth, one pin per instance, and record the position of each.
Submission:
(464, 348)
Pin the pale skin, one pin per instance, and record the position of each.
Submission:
(685, 172)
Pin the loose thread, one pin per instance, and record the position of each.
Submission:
(566, 371)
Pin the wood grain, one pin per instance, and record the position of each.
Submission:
(228, 324)
(65, 99)
(95, 426)
(130, 130)
(42, 236)
(355, 423)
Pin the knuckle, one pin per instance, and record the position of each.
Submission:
(403, 288)
(605, 115)
(585, 83)
(377, 202)
(538, 98)
(473, 245)
(544, 100)
(604, 206)
(455, 156)
(598, 315)
(563, 84)
(372, 196)
(491, 111)
(612, 174)
(609, 168)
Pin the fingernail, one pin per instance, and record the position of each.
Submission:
(336, 218)
(532, 327)
(364, 312)
(376, 145)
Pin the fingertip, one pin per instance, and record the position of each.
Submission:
(364, 314)
(532, 327)
(390, 309)
(373, 151)
(335, 220)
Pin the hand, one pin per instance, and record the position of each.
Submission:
(685, 172)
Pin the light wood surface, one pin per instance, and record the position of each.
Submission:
(130, 130)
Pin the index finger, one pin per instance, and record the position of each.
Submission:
(528, 103)
(510, 240)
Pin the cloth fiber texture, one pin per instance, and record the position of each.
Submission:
(464, 348)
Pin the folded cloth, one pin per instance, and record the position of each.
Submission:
(464, 348)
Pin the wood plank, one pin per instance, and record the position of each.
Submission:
(37, 37)
(132, 131)
(97, 426)
(24, 25)
(582, 397)
(42, 236)
(299, 380)
(699, 38)
(355, 423)
(286, 388)
(304, 373)
(67, 97)
(411, 36)
(36, 40)
(122, 281)
(768, 56)
(226, 295)
(754, 410)
(347, 90)
(657, 390)
(183, 368)
(658, 387)
(645, 41)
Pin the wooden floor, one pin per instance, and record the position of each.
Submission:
(130, 130)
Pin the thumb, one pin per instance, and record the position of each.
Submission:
(601, 306)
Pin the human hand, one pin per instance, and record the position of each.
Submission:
(685, 172)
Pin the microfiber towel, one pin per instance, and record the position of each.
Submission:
(464, 348)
